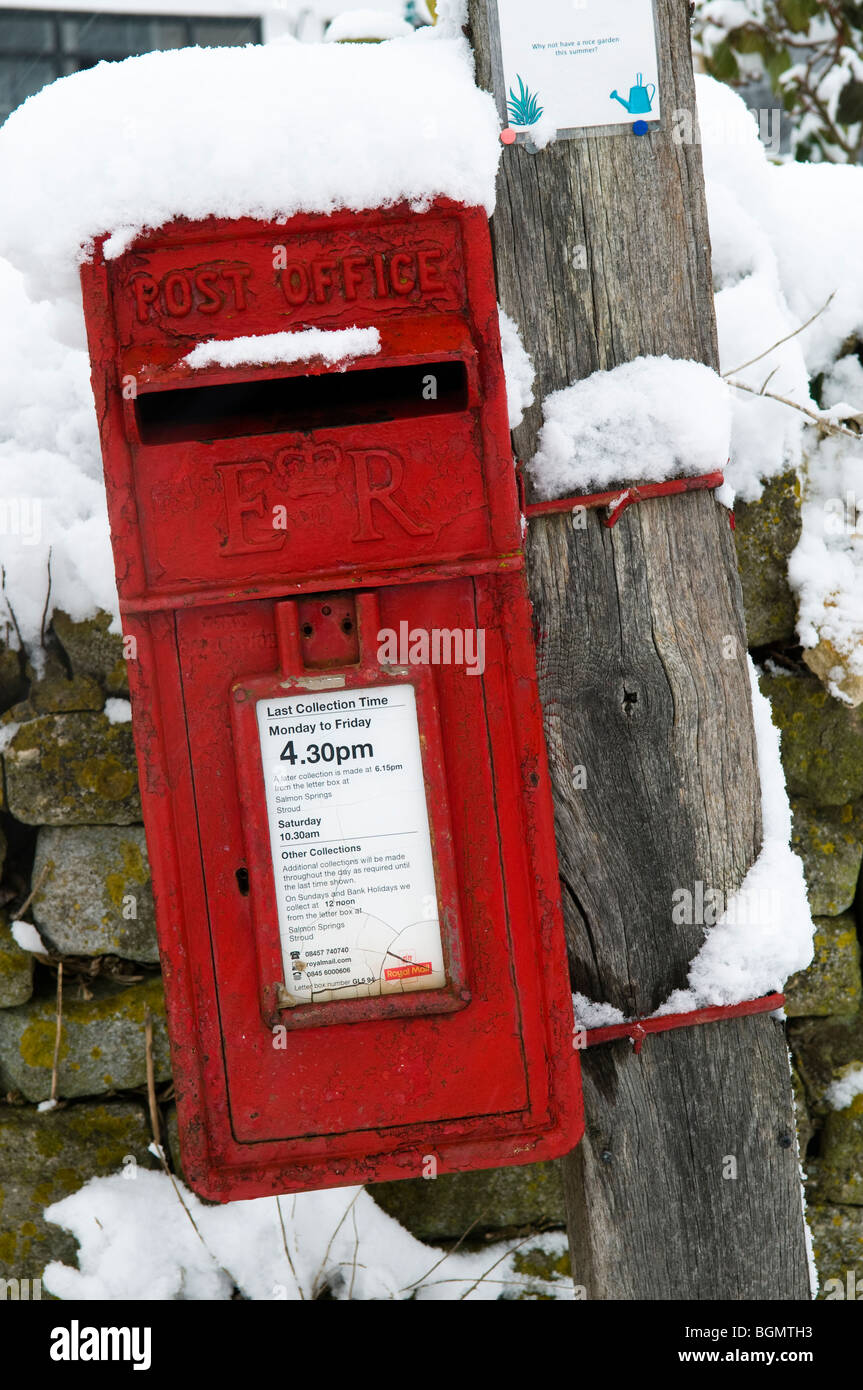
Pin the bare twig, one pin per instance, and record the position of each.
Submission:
(503, 1257)
(786, 661)
(788, 336)
(445, 1256)
(767, 381)
(179, 1196)
(323, 1264)
(33, 891)
(828, 426)
(47, 601)
(151, 1081)
(11, 609)
(356, 1252)
(160, 1153)
(55, 1068)
(288, 1253)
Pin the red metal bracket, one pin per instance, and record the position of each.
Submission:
(618, 501)
(638, 1029)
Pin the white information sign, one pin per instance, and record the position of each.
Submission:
(349, 836)
(592, 63)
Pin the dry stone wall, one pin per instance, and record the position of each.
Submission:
(71, 841)
(822, 752)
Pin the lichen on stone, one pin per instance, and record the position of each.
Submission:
(831, 984)
(72, 769)
(829, 840)
(16, 969)
(93, 650)
(113, 1021)
(765, 534)
(822, 740)
(96, 897)
(46, 1157)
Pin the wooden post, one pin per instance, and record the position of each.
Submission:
(637, 688)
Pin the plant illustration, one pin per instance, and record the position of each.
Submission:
(524, 109)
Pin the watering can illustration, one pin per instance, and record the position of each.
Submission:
(640, 100)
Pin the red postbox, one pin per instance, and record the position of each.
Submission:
(334, 700)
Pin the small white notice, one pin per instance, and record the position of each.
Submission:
(349, 836)
(578, 63)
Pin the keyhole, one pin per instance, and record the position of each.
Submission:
(307, 629)
(243, 881)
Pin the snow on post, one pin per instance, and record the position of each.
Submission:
(765, 932)
(645, 421)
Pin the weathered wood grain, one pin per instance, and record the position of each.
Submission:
(642, 687)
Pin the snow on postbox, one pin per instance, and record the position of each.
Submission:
(318, 550)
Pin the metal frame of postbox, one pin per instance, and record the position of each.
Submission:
(366, 672)
(482, 1072)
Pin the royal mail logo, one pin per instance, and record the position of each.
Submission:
(408, 972)
(258, 494)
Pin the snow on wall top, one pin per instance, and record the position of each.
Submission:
(257, 131)
(366, 24)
